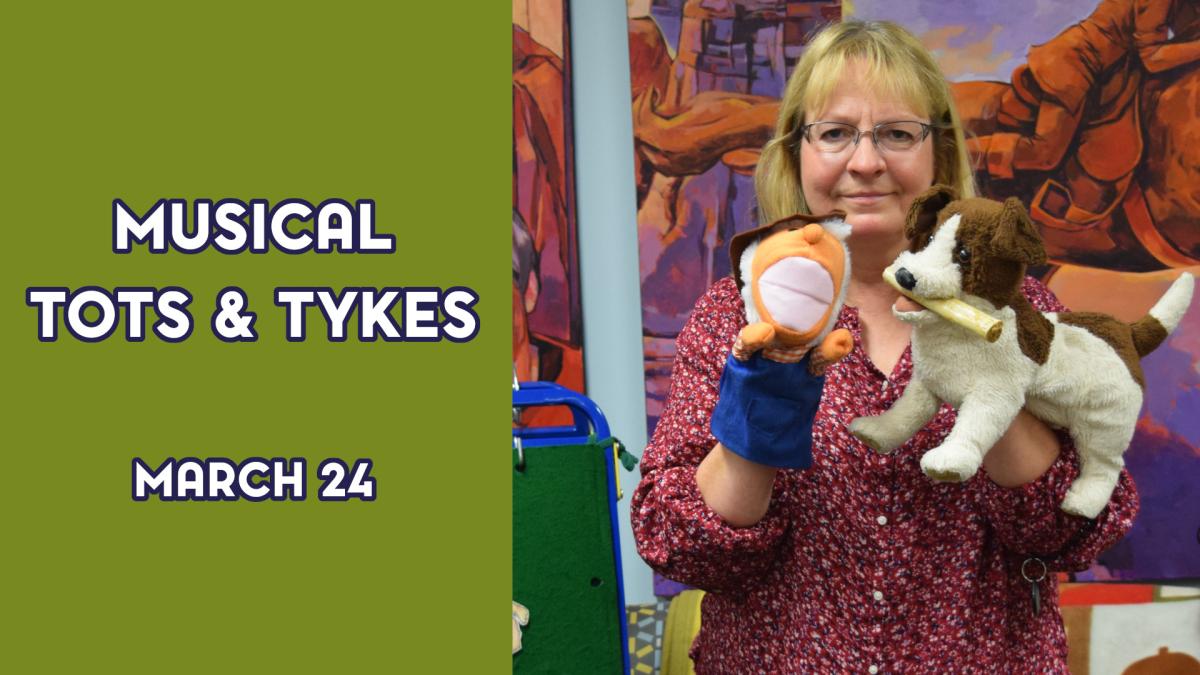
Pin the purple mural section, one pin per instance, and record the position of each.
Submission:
(1164, 460)
(978, 40)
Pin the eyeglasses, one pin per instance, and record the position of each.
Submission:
(833, 137)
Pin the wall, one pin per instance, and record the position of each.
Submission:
(605, 202)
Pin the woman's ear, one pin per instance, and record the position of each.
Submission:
(922, 215)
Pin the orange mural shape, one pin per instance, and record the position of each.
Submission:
(1065, 135)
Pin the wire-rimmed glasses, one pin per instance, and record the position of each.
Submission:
(834, 137)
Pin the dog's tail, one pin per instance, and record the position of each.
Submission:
(1150, 331)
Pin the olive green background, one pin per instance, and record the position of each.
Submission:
(403, 103)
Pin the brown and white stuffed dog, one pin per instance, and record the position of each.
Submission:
(793, 276)
(1075, 370)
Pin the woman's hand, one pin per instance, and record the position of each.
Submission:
(1023, 453)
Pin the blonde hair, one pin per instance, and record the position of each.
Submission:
(898, 66)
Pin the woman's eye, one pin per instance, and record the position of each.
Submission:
(962, 254)
(899, 135)
(834, 134)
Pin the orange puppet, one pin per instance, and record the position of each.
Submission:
(793, 276)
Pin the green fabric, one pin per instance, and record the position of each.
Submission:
(563, 564)
(628, 459)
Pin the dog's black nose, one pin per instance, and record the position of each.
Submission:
(906, 279)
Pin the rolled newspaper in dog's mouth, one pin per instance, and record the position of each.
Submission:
(954, 310)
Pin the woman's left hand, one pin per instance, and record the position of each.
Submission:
(1023, 453)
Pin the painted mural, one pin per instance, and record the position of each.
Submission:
(1087, 111)
(706, 79)
(547, 318)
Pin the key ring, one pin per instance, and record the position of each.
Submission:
(1026, 576)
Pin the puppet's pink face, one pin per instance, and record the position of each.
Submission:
(797, 274)
(796, 292)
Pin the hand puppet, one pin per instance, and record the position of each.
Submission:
(793, 276)
(1078, 371)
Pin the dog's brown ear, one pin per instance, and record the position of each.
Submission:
(1016, 237)
(922, 215)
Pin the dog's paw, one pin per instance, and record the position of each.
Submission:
(1085, 500)
(874, 433)
(950, 464)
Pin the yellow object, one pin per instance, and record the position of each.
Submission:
(617, 468)
(955, 311)
(680, 629)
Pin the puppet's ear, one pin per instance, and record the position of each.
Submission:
(922, 215)
(1016, 237)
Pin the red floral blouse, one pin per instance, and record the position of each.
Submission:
(862, 563)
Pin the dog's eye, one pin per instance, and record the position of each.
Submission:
(929, 240)
(962, 254)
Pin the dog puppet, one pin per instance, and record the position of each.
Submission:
(1079, 371)
(793, 275)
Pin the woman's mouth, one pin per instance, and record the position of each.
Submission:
(863, 198)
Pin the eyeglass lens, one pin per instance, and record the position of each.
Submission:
(890, 136)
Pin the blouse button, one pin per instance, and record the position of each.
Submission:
(878, 595)
(882, 520)
(873, 669)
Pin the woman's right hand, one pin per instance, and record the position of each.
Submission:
(738, 489)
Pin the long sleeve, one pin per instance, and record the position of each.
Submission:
(676, 532)
(1028, 520)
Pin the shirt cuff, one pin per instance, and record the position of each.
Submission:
(1028, 519)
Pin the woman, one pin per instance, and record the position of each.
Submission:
(860, 563)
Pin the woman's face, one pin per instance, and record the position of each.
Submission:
(874, 188)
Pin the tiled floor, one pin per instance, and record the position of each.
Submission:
(645, 636)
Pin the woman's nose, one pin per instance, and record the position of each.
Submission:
(865, 157)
